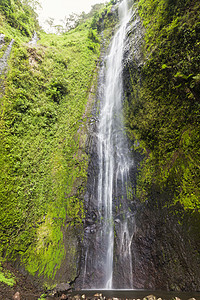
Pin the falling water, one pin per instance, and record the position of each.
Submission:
(33, 41)
(4, 63)
(2, 42)
(113, 234)
(3, 60)
(113, 154)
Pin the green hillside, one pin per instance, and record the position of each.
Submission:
(45, 110)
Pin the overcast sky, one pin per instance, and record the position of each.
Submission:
(58, 9)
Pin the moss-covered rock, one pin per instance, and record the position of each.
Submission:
(163, 99)
(162, 113)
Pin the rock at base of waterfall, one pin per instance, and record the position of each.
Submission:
(16, 296)
(61, 289)
(150, 297)
(64, 296)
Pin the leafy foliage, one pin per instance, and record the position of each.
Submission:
(105, 17)
(19, 16)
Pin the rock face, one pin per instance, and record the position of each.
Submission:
(165, 242)
(61, 289)
(89, 247)
(164, 250)
(69, 269)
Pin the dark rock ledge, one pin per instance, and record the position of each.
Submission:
(135, 296)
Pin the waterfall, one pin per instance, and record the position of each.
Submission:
(3, 60)
(2, 42)
(113, 153)
(33, 41)
(114, 231)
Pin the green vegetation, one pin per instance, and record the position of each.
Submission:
(49, 90)
(46, 100)
(163, 110)
(43, 135)
(42, 297)
(6, 277)
(43, 132)
(17, 20)
(105, 20)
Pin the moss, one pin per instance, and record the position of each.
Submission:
(163, 108)
(7, 277)
(42, 185)
(42, 297)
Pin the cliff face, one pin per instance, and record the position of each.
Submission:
(163, 99)
(161, 81)
(47, 93)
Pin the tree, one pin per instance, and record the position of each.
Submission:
(35, 4)
(71, 21)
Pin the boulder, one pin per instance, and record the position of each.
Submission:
(61, 289)
(16, 296)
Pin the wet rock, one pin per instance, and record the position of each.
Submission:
(134, 35)
(92, 230)
(87, 230)
(1, 40)
(16, 296)
(91, 218)
(150, 297)
(161, 248)
(76, 297)
(89, 221)
(98, 295)
(61, 289)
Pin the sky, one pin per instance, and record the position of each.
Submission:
(58, 9)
